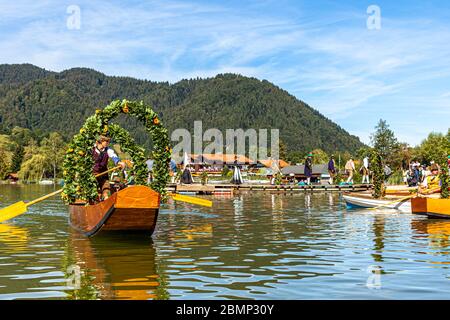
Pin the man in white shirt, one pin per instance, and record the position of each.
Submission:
(365, 170)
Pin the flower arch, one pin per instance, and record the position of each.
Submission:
(80, 182)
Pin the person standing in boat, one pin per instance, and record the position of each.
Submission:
(308, 168)
(101, 153)
(331, 169)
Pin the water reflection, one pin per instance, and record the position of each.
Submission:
(116, 266)
(16, 238)
(378, 226)
(437, 232)
(251, 245)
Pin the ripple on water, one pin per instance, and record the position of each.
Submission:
(250, 246)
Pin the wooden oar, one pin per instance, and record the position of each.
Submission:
(392, 202)
(21, 207)
(403, 199)
(193, 200)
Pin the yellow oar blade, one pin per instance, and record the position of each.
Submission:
(12, 211)
(193, 200)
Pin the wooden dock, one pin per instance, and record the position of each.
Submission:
(231, 188)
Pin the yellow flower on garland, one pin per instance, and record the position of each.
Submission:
(105, 129)
(125, 108)
(98, 111)
(155, 120)
(70, 150)
(82, 130)
(81, 153)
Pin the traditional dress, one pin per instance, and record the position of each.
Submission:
(331, 170)
(101, 159)
(308, 169)
(237, 177)
(365, 170)
(349, 168)
(432, 182)
(186, 177)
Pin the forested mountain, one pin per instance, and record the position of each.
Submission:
(34, 98)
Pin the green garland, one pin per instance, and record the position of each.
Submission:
(444, 180)
(80, 182)
(378, 174)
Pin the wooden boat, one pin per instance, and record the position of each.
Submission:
(134, 208)
(432, 206)
(403, 191)
(365, 200)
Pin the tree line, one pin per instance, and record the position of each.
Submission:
(33, 98)
(33, 155)
(394, 153)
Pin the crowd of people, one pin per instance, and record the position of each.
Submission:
(350, 169)
(420, 175)
(416, 175)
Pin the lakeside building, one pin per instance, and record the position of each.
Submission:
(297, 173)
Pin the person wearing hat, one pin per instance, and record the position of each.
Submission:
(308, 168)
(349, 169)
(432, 182)
(101, 153)
(331, 169)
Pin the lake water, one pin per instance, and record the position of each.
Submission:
(247, 246)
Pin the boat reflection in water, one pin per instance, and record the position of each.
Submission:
(437, 231)
(115, 266)
(14, 237)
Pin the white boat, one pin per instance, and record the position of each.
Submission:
(46, 182)
(354, 200)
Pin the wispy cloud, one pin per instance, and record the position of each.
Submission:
(322, 53)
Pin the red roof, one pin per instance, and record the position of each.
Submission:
(268, 163)
(221, 158)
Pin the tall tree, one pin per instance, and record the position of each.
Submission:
(53, 149)
(7, 147)
(4, 167)
(34, 168)
(17, 159)
(282, 151)
(434, 148)
(295, 157)
(21, 135)
(384, 141)
(30, 149)
(320, 156)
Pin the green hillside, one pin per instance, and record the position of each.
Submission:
(37, 99)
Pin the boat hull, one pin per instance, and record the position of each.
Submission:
(134, 208)
(432, 207)
(367, 201)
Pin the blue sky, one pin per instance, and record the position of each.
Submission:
(320, 51)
